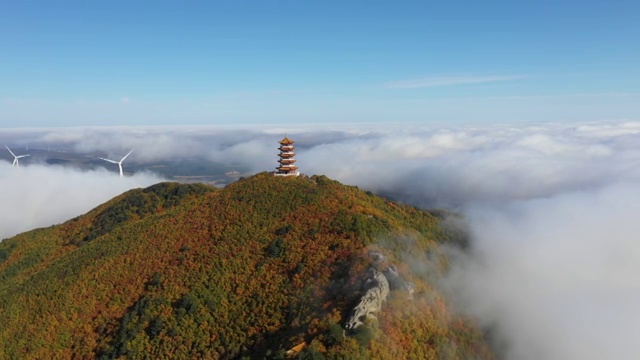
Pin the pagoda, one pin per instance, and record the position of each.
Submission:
(287, 165)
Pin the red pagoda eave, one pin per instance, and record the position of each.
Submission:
(286, 141)
(287, 168)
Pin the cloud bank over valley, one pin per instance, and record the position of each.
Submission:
(556, 277)
(39, 195)
(551, 207)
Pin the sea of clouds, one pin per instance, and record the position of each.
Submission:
(552, 209)
(38, 195)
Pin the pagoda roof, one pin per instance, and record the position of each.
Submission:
(287, 168)
(286, 141)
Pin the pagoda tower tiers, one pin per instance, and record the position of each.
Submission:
(287, 162)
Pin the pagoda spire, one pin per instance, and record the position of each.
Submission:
(287, 161)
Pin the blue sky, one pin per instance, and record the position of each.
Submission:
(71, 63)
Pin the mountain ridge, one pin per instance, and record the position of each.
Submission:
(250, 270)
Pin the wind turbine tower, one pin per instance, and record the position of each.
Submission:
(118, 162)
(16, 163)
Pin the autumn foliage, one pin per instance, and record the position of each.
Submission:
(248, 271)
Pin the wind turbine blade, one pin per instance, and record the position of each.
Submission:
(14, 155)
(129, 153)
(109, 160)
(21, 156)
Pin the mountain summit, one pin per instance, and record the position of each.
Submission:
(268, 267)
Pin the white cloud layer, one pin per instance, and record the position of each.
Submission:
(557, 277)
(553, 258)
(38, 196)
(451, 167)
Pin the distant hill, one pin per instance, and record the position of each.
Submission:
(183, 170)
(268, 267)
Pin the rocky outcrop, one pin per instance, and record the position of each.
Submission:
(371, 302)
(396, 282)
(377, 287)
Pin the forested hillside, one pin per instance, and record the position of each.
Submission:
(253, 270)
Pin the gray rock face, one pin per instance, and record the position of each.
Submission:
(391, 273)
(371, 302)
(396, 282)
(377, 286)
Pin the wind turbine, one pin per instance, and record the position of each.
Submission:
(16, 163)
(118, 162)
